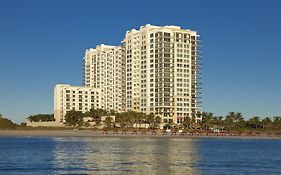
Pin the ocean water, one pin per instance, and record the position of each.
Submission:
(85, 155)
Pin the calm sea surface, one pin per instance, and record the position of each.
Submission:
(78, 155)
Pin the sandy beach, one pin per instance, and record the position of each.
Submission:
(139, 134)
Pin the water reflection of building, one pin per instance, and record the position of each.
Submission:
(126, 155)
(69, 155)
(174, 156)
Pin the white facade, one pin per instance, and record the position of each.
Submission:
(155, 70)
(68, 97)
(103, 70)
(162, 72)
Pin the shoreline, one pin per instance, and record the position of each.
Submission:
(89, 133)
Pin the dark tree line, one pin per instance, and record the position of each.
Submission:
(236, 121)
(124, 119)
(233, 121)
(75, 118)
(41, 118)
(138, 119)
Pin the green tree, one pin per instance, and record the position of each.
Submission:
(139, 118)
(218, 121)
(153, 121)
(229, 120)
(41, 118)
(187, 122)
(74, 118)
(207, 120)
(277, 122)
(150, 119)
(170, 124)
(112, 112)
(254, 122)
(234, 121)
(267, 123)
(108, 121)
(132, 118)
(121, 119)
(96, 114)
(157, 121)
(239, 121)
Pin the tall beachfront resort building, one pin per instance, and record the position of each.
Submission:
(163, 72)
(79, 98)
(156, 69)
(103, 70)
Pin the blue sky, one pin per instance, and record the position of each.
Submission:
(42, 43)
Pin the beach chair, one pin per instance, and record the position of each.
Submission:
(124, 132)
(104, 132)
(115, 132)
(153, 133)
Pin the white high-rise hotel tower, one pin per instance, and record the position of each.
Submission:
(155, 70)
(103, 70)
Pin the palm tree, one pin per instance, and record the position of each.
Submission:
(267, 122)
(169, 125)
(112, 112)
(150, 120)
(239, 121)
(140, 118)
(229, 120)
(157, 121)
(108, 121)
(96, 114)
(186, 122)
(234, 121)
(74, 118)
(254, 122)
(135, 118)
(120, 119)
(218, 121)
(277, 122)
(207, 119)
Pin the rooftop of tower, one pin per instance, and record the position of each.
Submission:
(159, 27)
(101, 46)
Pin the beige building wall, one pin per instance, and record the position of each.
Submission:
(103, 70)
(68, 97)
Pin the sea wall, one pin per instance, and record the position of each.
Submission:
(44, 124)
